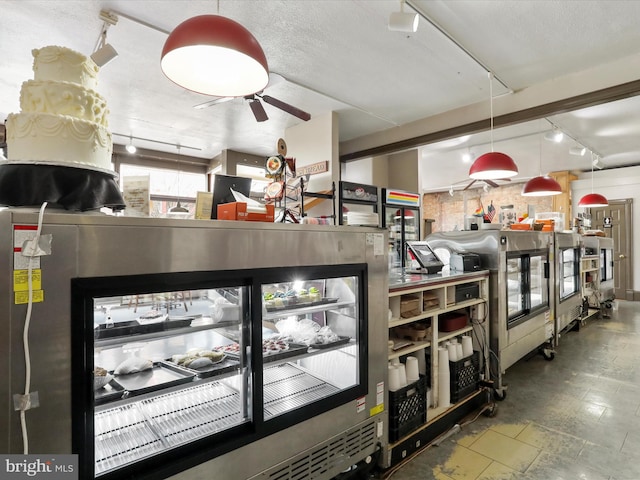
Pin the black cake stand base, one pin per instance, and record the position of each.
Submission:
(75, 189)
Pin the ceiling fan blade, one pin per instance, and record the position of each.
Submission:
(213, 102)
(491, 183)
(469, 186)
(258, 110)
(290, 109)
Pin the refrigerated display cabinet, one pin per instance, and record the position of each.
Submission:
(568, 288)
(602, 280)
(170, 348)
(520, 281)
(401, 216)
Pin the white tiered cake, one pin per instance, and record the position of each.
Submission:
(63, 120)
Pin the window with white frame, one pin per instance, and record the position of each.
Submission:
(168, 188)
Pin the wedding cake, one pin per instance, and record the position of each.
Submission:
(63, 120)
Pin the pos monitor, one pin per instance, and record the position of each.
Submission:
(222, 186)
(426, 257)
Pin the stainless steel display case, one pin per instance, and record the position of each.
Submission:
(603, 248)
(519, 288)
(567, 298)
(320, 409)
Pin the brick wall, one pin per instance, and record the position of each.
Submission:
(449, 211)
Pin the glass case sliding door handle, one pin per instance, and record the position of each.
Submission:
(547, 268)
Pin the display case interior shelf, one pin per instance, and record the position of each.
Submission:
(590, 282)
(302, 309)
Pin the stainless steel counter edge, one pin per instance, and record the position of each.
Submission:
(417, 280)
(63, 217)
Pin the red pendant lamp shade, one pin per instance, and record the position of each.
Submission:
(593, 200)
(214, 55)
(541, 186)
(492, 166)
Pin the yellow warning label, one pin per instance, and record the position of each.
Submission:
(376, 410)
(21, 280)
(23, 297)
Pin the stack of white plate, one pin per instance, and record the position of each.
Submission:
(361, 218)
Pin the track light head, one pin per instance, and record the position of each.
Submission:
(403, 22)
(579, 151)
(104, 55)
(131, 148)
(554, 135)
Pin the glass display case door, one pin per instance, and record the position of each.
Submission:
(527, 285)
(313, 340)
(515, 297)
(403, 224)
(568, 272)
(606, 264)
(168, 369)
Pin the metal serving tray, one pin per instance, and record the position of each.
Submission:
(161, 376)
(226, 365)
(111, 391)
(340, 341)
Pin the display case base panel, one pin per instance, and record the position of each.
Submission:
(129, 433)
(287, 387)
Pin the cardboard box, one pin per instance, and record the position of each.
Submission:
(238, 211)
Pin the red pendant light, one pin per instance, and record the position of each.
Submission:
(541, 186)
(216, 56)
(593, 199)
(492, 165)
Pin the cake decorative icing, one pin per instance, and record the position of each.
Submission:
(63, 120)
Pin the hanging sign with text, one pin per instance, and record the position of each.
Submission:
(314, 168)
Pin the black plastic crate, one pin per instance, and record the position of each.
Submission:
(407, 409)
(465, 375)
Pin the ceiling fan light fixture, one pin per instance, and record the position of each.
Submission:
(593, 200)
(541, 186)
(493, 166)
(215, 55)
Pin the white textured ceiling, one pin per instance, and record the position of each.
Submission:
(338, 55)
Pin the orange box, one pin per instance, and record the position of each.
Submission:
(520, 226)
(238, 211)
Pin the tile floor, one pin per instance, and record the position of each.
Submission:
(575, 417)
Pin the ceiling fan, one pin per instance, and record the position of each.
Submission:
(491, 183)
(256, 106)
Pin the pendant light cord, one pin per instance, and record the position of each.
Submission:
(491, 106)
(591, 172)
(540, 163)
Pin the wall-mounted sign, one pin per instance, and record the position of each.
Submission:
(607, 222)
(314, 168)
(398, 197)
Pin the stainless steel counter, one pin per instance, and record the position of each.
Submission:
(400, 281)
